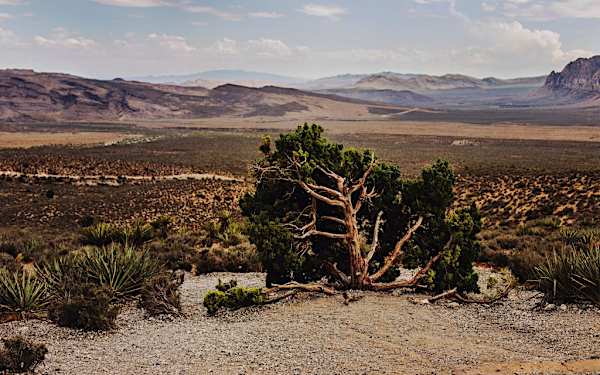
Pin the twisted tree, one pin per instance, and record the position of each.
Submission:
(323, 210)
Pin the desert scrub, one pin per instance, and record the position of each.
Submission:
(174, 253)
(100, 234)
(241, 258)
(122, 269)
(160, 294)
(230, 296)
(20, 355)
(571, 275)
(21, 293)
(87, 307)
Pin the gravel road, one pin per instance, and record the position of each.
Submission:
(379, 334)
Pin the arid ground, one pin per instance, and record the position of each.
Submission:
(521, 175)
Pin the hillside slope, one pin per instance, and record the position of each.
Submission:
(29, 96)
(578, 83)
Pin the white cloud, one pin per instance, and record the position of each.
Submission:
(512, 44)
(269, 48)
(5, 16)
(551, 9)
(61, 37)
(12, 2)
(329, 11)
(8, 38)
(172, 42)
(184, 5)
(265, 15)
(133, 3)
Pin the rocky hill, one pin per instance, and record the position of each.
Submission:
(578, 81)
(26, 95)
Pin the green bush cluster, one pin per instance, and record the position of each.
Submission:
(20, 355)
(232, 297)
(103, 234)
(21, 293)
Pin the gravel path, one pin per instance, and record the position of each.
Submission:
(379, 334)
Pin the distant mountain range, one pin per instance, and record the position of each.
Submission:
(26, 95)
(213, 78)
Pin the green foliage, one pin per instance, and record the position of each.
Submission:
(232, 299)
(122, 269)
(160, 294)
(580, 238)
(20, 355)
(571, 275)
(8, 262)
(21, 293)
(277, 199)
(87, 307)
(225, 230)
(135, 234)
(275, 246)
(100, 234)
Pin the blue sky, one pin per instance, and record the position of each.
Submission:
(109, 38)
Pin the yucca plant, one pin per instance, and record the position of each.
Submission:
(101, 234)
(122, 269)
(21, 293)
(571, 275)
(135, 234)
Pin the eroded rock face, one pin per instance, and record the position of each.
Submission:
(581, 74)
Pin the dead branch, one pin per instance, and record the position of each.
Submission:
(335, 271)
(322, 198)
(390, 260)
(410, 283)
(348, 298)
(375, 243)
(334, 219)
(317, 288)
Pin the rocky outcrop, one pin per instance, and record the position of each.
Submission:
(579, 75)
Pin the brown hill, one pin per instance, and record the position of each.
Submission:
(26, 95)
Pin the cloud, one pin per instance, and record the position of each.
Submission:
(512, 44)
(8, 38)
(329, 11)
(265, 15)
(184, 5)
(133, 3)
(261, 48)
(452, 9)
(543, 10)
(5, 16)
(172, 42)
(61, 37)
(12, 2)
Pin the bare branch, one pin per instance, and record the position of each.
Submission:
(301, 287)
(332, 267)
(341, 181)
(335, 193)
(410, 282)
(334, 219)
(390, 260)
(363, 180)
(322, 198)
(315, 232)
(375, 243)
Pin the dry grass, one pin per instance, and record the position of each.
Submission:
(33, 139)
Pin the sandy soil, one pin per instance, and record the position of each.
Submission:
(454, 129)
(379, 334)
(32, 139)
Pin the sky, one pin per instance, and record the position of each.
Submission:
(306, 39)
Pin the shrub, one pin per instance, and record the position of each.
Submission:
(241, 258)
(223, 287)
(162, 226)
(232, 299)
(571, 275)
(100, 234)
(21, 293)
(8, 263)
(160, 295)
(122, 269)
(225, 230)
(173, 254)
(20, 355)
(88, 307)
(580, 238)
(135, 234)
